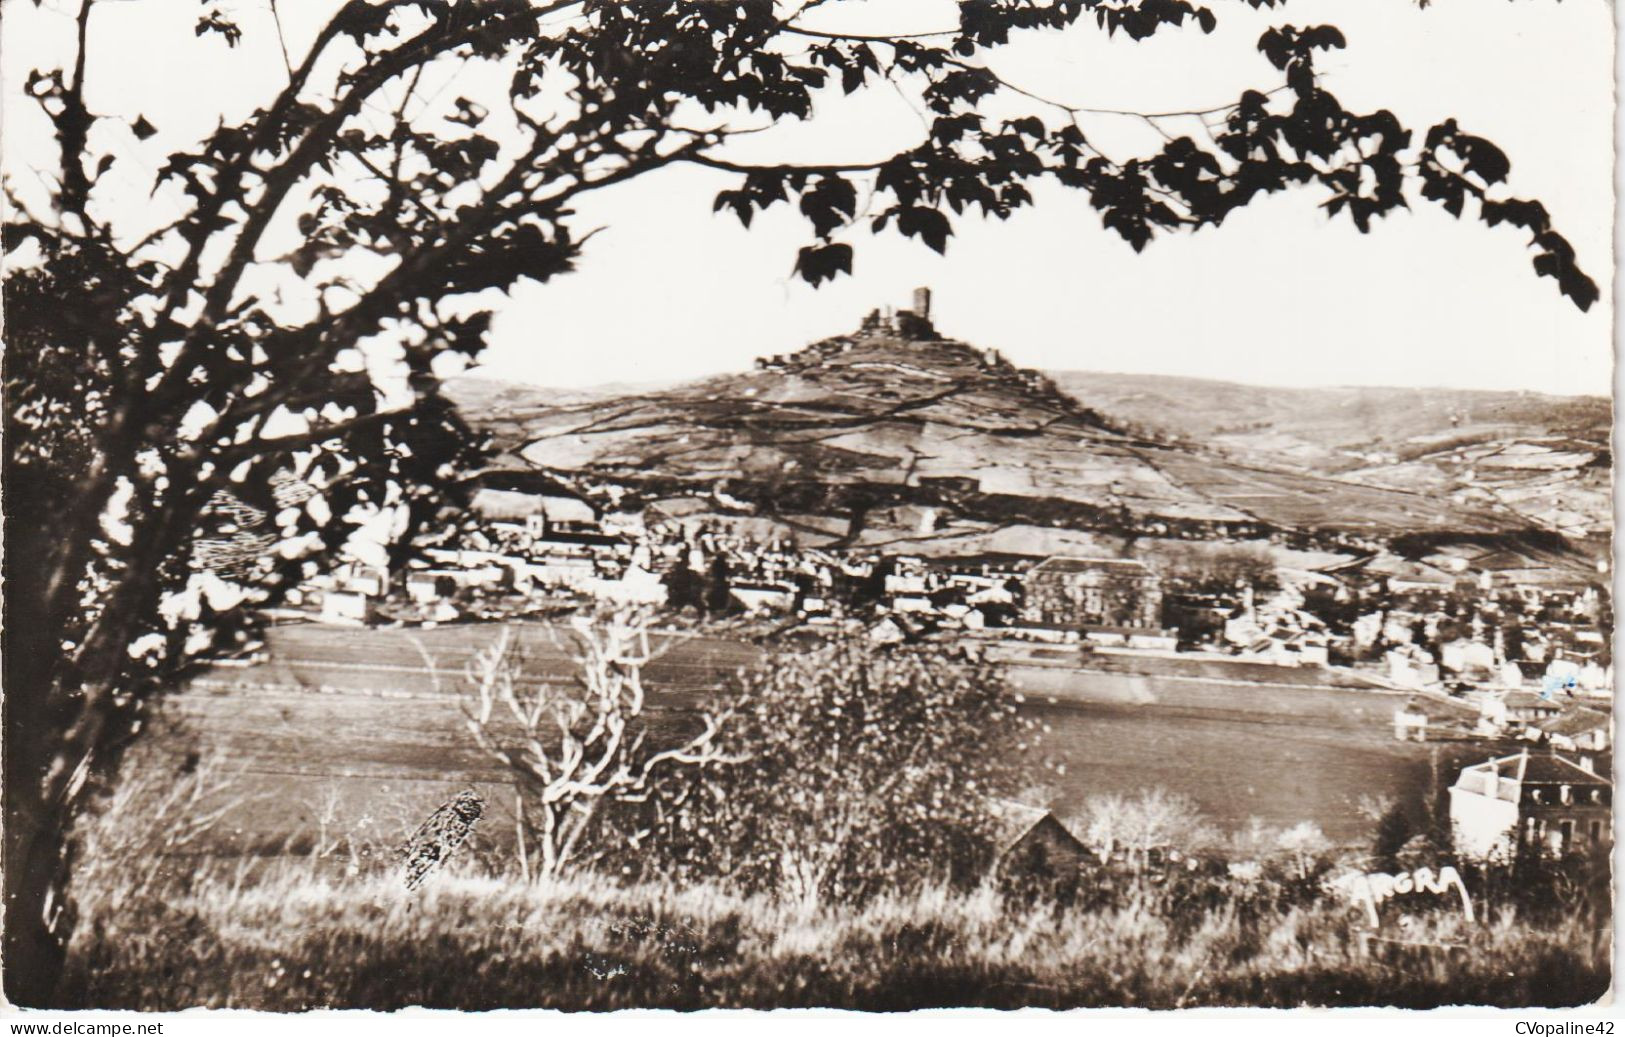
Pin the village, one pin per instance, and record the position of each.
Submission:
(1489, 650)
(1487, 657)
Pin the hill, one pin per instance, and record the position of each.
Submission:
(502, 408)
(1544, 458)
(895, 435)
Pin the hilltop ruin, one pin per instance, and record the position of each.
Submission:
(912, 325)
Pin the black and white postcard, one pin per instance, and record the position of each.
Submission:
(848, 504)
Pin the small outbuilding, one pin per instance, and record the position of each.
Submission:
(1031, 843)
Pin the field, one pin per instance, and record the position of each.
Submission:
(1296, 501)
(1321, 421)
(247, 859)
(1503, 448)
(361, 733)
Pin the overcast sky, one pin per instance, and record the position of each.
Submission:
(1279, 295)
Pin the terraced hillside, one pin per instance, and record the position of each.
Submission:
(1544, 458)
(877, 420)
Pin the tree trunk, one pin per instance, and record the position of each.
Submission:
(33, 864)
(61, 719)
(36, 873)
(49, 752)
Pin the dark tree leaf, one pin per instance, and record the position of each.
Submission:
(829, 204)
(216, 22)
(1482, 158)
(927, 224)
(1531, 216)
(819, 263)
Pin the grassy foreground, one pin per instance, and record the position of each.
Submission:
(290, 938)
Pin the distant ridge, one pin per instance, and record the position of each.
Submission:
(1332, 416)
(1547, 459)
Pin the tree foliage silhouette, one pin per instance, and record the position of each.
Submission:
(154, 371)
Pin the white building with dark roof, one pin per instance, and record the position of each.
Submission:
(1546, 802)
(1578, 730)
(1090, 592)
(529, 498)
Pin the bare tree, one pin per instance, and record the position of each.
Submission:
(1303, 843)
(1159, 819)
(154, 815)
(1153, 820)
(578, 747)
(1103, 821)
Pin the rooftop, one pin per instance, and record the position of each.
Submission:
(1012, 821)
(1546, 769)
(1530, 700)
(1577, 722)
(516, 480)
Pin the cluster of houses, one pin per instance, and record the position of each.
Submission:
(911, 325)
(527, 539)
(1277, 629)
(525, 542)
(528, 542)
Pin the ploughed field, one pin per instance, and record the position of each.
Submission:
(352, 736)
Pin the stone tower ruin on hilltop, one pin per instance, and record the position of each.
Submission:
(922, 304)
(913, 324)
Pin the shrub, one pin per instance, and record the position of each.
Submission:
(859, 769)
